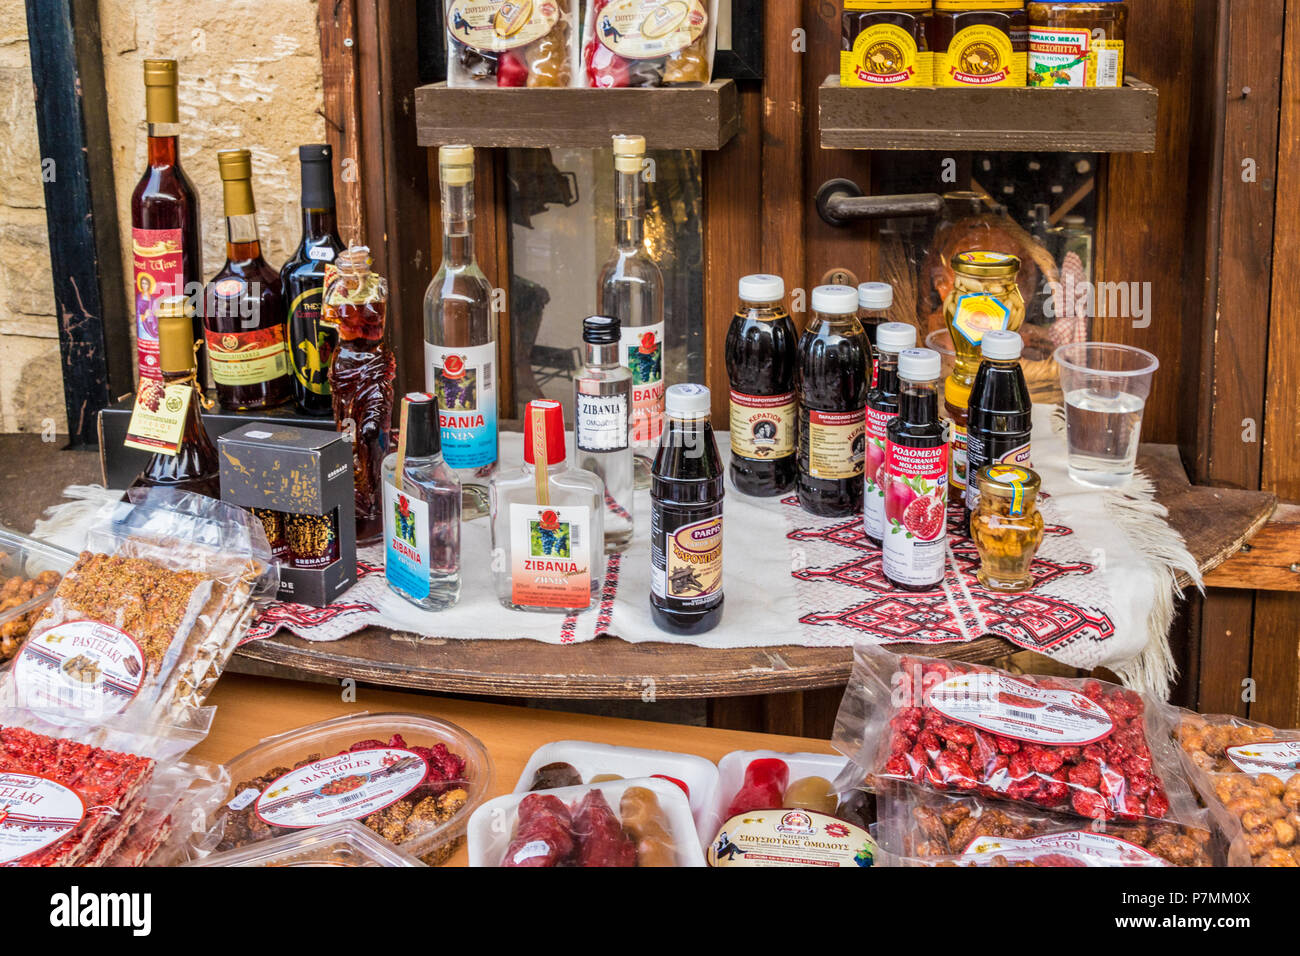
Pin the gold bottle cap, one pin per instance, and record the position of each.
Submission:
(175, 334)
(236, 166)
(1013, 482)
(629, 151)
(160, 91)
(456, 164)
(984, 264)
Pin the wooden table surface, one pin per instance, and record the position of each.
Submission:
(1214, 521)
(250, 709)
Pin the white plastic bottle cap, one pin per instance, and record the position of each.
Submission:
(875, 295)
(687, 401)
(1001, 345)
(835, 299)
(918, 365)
(895, 336)
(762, 288)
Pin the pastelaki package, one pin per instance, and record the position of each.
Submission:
(1086, 747)
(141, 626)
(512, 43)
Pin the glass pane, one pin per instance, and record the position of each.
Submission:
(561, 204)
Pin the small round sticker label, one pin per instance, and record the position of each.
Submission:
(35, 813)
(1013, 708)
(347, 787)
(84, 666)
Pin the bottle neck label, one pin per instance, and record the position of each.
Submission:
(159, 416)
(465, 382)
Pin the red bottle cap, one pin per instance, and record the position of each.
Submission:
(544, 417)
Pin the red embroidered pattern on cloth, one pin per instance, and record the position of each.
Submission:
(1032, 620)
(281, 614)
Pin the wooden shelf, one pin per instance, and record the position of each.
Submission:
(683, 117)
(1121, 120)
(1214, 522)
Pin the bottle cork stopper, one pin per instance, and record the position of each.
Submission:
(456, 165)
(629, 153)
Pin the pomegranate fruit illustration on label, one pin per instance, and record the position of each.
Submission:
(915, 505)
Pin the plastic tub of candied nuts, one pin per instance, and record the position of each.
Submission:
(411, 779)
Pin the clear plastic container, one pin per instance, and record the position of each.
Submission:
(339, 844)
(22, 560)
(381, 785)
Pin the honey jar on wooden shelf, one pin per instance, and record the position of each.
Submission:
(886, 43)
(979, 43)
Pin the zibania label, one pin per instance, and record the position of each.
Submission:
(464, 380)
(551, 554)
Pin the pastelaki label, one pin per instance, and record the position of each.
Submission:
(551, 554)
(407, 552)
(790, 837)
(82, 666)
(1073, 848)
(1281, 758)
(158, 417)
(158, 269)
(347, 787)
(35, 813)
(1013, 708)
(465, 383)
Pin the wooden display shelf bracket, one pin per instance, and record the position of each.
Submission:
(1120, 120)
(683, 117)
(1214, 523)
(1269, 561)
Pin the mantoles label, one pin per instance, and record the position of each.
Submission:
(1012, 708)
(1278, 757)
(82, 666)
(790, 838)
(1073, 848)
(347, 787)
(34, 813)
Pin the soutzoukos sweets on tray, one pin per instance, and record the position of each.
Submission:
(920, 828)
(1248, 774)
(144, 622)
(1085, 747)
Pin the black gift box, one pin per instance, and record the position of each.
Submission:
(303, 471)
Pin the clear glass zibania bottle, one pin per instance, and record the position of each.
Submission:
(632, 291)
(460, 339)
(602, 399)
(547, 523)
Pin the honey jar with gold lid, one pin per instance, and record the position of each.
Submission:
(1007, 527)
(886, 43)
(984, 296)
(1077, 44)
(979, 43)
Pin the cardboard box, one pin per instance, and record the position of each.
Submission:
(296, 471)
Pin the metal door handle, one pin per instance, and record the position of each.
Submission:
(840, 203)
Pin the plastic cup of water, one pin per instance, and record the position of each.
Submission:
(1106, 388)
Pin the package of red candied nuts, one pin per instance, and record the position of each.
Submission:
(1085, 747)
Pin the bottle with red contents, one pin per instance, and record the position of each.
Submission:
(874, 301)
(916, 478)
(882, 406)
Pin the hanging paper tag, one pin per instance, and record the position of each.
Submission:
(158, 419)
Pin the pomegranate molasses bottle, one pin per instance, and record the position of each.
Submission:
(762, 349)
(833, 372)
(916, 478)
(686, 517)
(882, 406)
(874, 301)
(1000, 411)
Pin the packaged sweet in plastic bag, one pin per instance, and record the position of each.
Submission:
(144, 622)
(1248, 774)
(649, 42)
(920, 828)
(530, 43)
(1085, 747)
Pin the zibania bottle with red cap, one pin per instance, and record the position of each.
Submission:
(547, 523)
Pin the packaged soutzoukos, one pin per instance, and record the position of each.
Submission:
(1248, 774)
(917, 827)
(512, 43)
(1085, 747)
(141, 626)
(644, 43)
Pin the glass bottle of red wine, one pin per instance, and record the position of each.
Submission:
(243, 309)
(192, 466)
(311, 344)
(166, 254)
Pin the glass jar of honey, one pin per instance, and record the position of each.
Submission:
(984, 296)
(1007, 527)
(1077, 44)
(979, 42)
(885, 43)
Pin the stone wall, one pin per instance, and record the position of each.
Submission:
(250, 76)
